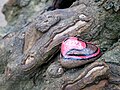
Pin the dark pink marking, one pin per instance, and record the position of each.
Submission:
(71, 43)
(74, 43)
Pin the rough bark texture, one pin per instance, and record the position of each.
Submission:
(29, 45)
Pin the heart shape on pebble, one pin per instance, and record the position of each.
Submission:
(76, 52)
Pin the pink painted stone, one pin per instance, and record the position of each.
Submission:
(76, 52)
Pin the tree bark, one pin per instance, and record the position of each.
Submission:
(30, 48)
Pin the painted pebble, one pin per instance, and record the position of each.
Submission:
(76, 52)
